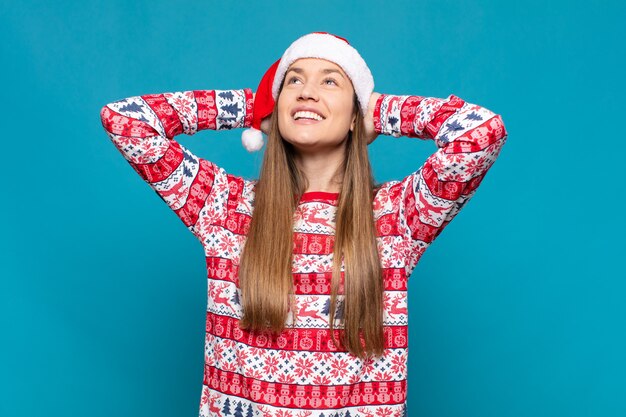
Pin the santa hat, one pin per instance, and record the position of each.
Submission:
(313, 45)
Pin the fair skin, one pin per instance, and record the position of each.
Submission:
(323, 88)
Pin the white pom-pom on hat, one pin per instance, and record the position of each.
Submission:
(252, 139)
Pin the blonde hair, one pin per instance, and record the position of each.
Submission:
(265, 272)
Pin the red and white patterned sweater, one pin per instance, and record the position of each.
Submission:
(301, 373)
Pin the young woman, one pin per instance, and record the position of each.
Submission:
(307, 266)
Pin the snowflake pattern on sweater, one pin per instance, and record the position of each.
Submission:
(300, 372)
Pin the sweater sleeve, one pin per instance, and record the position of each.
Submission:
(142, 128)
(468, 138)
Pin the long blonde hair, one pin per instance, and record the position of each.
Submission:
(265, 272)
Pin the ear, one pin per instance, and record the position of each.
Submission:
(352, 123)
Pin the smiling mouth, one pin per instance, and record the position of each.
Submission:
(307, 115)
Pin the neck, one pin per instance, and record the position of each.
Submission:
(321, 169)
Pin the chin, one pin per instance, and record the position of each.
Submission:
(301, 138)
(303, 143)
(313, 146)
(310, 139)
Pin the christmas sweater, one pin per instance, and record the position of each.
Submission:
(301, 372)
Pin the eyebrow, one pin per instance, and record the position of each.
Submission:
(325, 71)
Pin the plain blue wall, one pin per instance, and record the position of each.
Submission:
(516, 310)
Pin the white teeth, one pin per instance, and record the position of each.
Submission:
(307, 115)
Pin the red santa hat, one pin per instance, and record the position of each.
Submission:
(313, 45)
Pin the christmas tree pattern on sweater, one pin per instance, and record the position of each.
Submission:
(301, 372)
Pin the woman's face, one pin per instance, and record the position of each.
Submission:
(318, 86)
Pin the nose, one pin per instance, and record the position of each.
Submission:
(308, 91)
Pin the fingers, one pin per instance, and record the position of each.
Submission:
(265, 125)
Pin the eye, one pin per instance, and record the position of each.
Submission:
(291, 79)
(331, 80)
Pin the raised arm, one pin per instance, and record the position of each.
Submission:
(142, 128)
(469, 138)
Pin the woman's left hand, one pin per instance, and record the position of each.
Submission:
(370, 133)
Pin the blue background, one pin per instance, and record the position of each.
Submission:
(516, 310)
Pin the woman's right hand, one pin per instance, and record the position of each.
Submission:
(265, 123)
